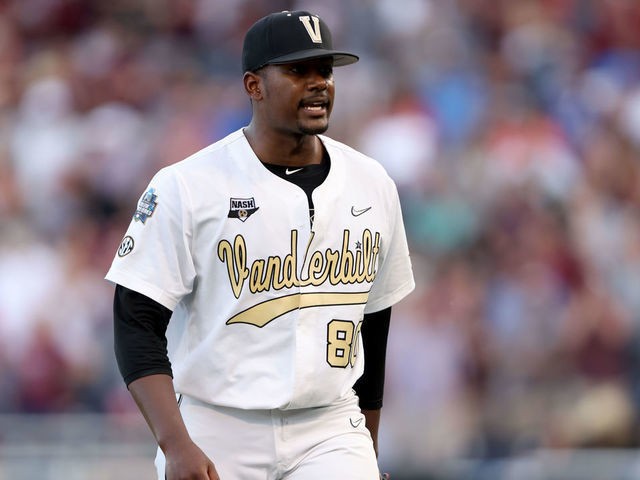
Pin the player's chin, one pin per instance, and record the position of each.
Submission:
(315, 127)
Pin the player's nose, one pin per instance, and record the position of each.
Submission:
(317, 80)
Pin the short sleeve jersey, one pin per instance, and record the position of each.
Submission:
(267, 308)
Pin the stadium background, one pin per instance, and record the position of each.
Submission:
(512, 128)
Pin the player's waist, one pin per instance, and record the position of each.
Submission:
(261, 415)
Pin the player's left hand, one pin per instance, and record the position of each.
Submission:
(384, 476)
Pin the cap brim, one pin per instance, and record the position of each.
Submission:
(339, 58)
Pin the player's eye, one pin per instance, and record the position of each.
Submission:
(326, 72)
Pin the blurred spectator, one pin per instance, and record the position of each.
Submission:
(511, 128)
(404, 138)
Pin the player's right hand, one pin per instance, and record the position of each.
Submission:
(188, 462)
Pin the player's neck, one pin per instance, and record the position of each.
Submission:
(284, 149)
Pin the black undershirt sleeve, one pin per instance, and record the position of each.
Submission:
(139, 330)
(370, 386)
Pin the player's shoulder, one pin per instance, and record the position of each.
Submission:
(355, 161)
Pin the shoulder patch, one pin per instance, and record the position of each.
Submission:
(146, 206)
(126, 246)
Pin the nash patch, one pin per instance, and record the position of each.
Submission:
(147, 206)
(242, 208)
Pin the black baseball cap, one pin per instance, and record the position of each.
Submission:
(289, 37)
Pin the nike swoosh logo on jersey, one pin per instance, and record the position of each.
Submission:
(355, 424)
(289, 172)
(356, 213)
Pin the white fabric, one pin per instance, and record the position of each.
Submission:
(303, 444)
(188, 254)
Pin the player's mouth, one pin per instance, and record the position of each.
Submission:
(315, 106)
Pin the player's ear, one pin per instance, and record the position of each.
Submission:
(252, 83)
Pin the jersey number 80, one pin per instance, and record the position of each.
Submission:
(343, 343)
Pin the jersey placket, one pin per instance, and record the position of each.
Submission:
(313, 239)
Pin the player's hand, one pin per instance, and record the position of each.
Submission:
(384, 476)
(187, 462)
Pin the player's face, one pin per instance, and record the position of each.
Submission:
(298, 97)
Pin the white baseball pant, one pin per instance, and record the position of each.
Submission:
(303, 444)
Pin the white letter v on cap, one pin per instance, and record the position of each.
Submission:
(314, 33)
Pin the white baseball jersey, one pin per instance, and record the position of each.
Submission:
(267, 309)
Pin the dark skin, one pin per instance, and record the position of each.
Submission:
(291, 105)
(156, 399)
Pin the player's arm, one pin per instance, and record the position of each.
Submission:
(370, 386)
(156, 399)
(140, 344)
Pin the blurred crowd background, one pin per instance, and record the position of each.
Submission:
(512, 129)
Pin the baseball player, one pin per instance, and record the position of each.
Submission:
(255, 283)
